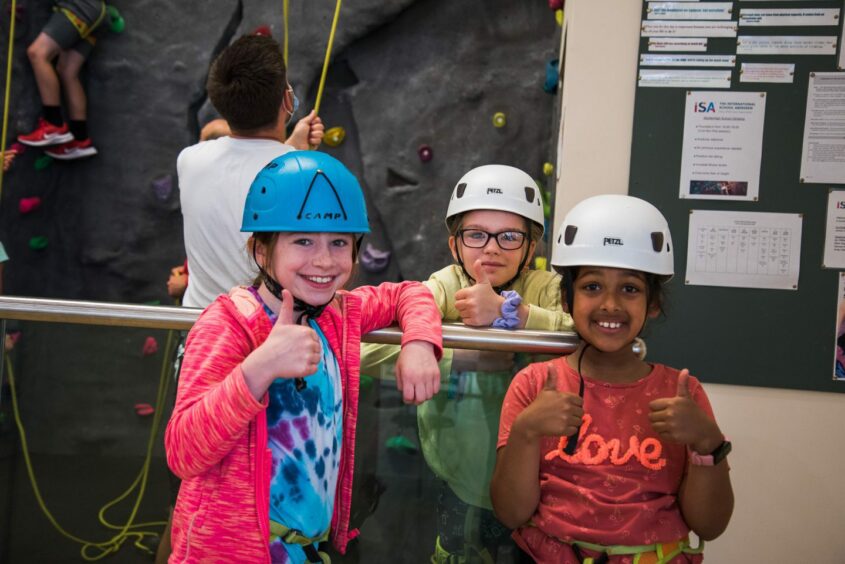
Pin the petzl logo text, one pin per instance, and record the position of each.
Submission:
(494, 190)
(612, 241)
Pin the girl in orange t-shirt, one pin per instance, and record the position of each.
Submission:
(628, 454)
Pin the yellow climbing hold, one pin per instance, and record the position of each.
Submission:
(548, 168)
(499, 119)
(334, 136)
(540, 263)
(559, 17)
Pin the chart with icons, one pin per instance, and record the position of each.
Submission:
(744, 249)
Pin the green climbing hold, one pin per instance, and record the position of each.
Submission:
(116, 22)
(153, 302)
(43, 162)
(366, 382)
(38, 243)
(402, 444)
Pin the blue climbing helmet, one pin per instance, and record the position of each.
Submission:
(305, 191)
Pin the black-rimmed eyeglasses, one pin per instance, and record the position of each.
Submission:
(507, 240)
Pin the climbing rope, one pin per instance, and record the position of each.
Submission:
(328, 57)
(8, 89)
(285, 6)
(129, 529)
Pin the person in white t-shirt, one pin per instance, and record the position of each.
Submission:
(248, 85)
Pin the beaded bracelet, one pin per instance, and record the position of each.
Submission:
(510, 311)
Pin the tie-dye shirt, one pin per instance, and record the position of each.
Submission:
(304, 435)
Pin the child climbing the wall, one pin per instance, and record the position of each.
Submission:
(263, 429)
(67, 39)
(495, 220)
(602, 456)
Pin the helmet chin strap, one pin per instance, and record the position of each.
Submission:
(299, 306)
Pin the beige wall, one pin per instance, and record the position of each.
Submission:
(788, 464)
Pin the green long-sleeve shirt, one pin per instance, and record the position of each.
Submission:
(459, 426)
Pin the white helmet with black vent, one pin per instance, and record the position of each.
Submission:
(499, 188)
(615, 231)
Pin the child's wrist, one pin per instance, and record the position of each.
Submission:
(709, 443)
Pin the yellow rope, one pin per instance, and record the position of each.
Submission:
(328, 57)
(8, 89)
(114, 544)
(285, 5)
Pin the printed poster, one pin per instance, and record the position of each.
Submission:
(689, 11)
(823, 148)
(789, 17)
(692, 44)
(834, 234)
(744, 249)
(839, 348)
(722, 145)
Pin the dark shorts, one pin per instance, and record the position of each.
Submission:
(62, 30)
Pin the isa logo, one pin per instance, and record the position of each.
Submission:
(840, 205)
(705, 107)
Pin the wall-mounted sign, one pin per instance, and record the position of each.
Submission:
(786, 45)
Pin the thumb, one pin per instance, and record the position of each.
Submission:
(309, 118)
(286, 309)
(551, 378)
(480, 274)
(683, 384)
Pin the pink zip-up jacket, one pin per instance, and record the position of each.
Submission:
(216, 439)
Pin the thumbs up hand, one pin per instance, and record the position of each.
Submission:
(479, 305)
(290, 350)
(552, 413)
(680, 420)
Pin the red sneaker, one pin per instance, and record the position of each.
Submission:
(46, 134)
(72, 150)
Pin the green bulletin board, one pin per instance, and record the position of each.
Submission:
(744, 336)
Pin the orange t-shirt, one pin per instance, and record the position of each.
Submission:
(620, 486)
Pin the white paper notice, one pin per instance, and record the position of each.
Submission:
(687, 60)
(666, 28)
(677, 44)
(689, 11)
(839, 347)
(723, 143)
(767, 72)
(684, 78)
(823, 149)
(834, 234)
(744, 249)
(789, 16)
(786, 45)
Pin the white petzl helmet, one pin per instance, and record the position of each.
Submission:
(615, 231)
(499, 188)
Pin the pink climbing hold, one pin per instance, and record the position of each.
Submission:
(425, 153)
(17, 148)
(150, 346)
(556, 4)
(27, 205)
(15, 336)
(144, 409)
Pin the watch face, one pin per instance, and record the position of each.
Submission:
(721, 452)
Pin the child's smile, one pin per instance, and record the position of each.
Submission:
(313, 266)
(610, 306)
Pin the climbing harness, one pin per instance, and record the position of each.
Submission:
(129, 529)
(658, 553)
(308, 544)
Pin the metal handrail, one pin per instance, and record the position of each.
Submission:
(455, 336)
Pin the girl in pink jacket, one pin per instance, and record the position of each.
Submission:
(263, 430)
